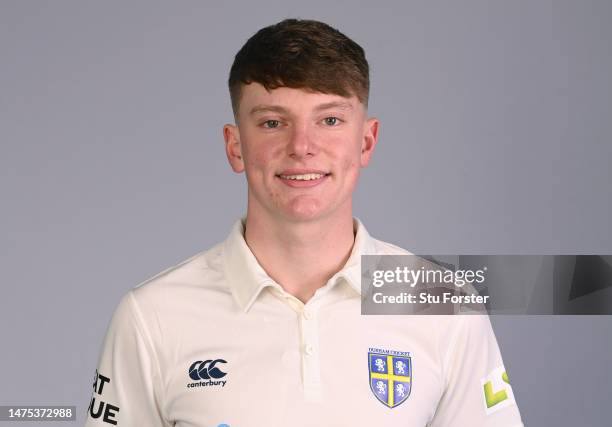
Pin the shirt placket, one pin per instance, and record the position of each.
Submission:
(309, 346)
(311, 369)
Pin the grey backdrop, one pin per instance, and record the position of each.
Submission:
(496, 138)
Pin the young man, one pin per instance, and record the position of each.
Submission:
(265, 328)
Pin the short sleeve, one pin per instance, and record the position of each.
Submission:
(126, 385)
(477, 389)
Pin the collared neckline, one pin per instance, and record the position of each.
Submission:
(247, 278)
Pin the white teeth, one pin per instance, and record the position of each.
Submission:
(304, 177)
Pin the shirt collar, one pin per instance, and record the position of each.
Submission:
(247, 278)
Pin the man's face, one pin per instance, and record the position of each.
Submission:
(301, 151)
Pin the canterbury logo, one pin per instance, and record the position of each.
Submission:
(206, 370)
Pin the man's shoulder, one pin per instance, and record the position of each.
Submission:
(156, 306)
(201, 270)
(380, 247)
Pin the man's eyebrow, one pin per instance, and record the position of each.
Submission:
(264, 108)
(342, 105)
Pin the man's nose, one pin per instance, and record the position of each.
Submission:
(301, 143)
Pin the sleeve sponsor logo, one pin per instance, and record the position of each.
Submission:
(497, 392)
(98, 408)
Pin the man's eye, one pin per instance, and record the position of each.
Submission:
(331, 121)
(271, 124)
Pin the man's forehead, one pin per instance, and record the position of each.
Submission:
(255, 99)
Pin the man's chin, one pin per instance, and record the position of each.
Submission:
(304, 213)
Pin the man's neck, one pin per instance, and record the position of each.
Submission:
(300, 256)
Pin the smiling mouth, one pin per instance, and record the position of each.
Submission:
(304, 176)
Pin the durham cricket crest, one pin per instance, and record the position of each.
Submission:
(390, 375)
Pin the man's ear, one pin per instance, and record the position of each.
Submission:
(369, 140)
(233, 150)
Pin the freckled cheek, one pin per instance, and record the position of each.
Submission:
(261, 170)
(350, 168)
(345, 153)
(263, 151)
(259, 160)
(350, 163)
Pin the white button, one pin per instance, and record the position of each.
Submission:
(306, 314)
(309, 349)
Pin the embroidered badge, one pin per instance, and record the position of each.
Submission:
(390, 375)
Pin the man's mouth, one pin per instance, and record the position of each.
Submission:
(304, 177)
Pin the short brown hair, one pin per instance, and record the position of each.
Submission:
(304, 54)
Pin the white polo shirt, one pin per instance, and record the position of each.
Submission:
(214, 341)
